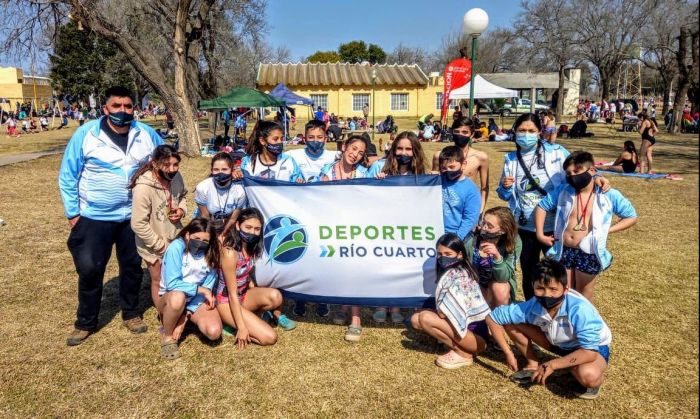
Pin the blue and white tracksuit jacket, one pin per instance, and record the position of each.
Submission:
(554, 156)
(95, 173)
(563, 200)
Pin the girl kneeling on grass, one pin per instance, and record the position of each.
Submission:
(458, 321)
(493, 254)
(241, 247)
(186, 285)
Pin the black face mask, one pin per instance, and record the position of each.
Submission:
(445, 262)
(165, 175)
(197, 247)
(550, 302)
(452, 174)
(461, 141)
(579, 181)
(491, 237)
(250, 238)
(222, 179)
(404, 160)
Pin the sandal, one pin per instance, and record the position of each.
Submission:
(522, 376)
(170, 350)
(452, 361)
(353, 334)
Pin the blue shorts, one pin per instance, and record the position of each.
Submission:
(479, 329)
(603, 350)
(575, 258)
(195, 302)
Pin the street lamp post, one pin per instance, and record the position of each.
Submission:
(474, 24)
(374, 79)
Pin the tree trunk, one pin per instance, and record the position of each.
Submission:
(560, 96)
(685, 72)
(187, 130)
(667, 96)
(605, 85)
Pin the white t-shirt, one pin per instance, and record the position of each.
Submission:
(285, 169)
(220, 201)
(528, 195)
(194, 271)
(613, 107)
(311, 167)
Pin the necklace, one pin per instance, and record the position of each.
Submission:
(581, 212)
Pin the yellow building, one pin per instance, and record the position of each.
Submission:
(400, 90)
(17, 87)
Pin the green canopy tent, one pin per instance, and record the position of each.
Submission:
(240, 97)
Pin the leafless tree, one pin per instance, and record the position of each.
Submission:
(688, 65)
(404, 54)
(177, 46)
(547, 27)
(607, 31)
(498, 50)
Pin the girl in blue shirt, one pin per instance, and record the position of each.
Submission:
(186, 285)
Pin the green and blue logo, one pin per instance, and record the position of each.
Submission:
(285, 240)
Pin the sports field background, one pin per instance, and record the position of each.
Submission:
(649, 298)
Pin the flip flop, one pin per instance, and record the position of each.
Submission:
(170, 350)
(522, 376)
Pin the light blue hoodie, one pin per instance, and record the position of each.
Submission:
(95, 173)
(563, 201)
(286, 169)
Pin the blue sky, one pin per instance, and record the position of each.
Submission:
(306, 26)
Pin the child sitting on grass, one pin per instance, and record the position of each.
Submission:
(557, 319)
(583, 220)
(493, 254)
(458, 321)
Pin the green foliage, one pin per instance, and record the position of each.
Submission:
(83, 63)
(324, 57)
(375, 54)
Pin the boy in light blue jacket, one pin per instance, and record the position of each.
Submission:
(583, 220)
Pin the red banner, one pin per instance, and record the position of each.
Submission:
(457, 74)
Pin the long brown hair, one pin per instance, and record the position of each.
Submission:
(161, 155)
(391, 167)
(508, 225)
(233, 239)
(262, 129)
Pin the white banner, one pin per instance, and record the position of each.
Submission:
(362, 241)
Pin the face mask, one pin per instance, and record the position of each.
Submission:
(250, 238)
(403, 160)
(315, 148)
(549, 302)
(526, 141)
(120, 119)
(579, 181)
(445, 262)
(452, 174)
(461, 141)
(222, 179)
(165, 175)
(275, 149)
(197, 247)
(486, 236)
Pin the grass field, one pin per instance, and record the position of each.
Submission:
(649, 297)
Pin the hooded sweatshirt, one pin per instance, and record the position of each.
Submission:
(149, 217)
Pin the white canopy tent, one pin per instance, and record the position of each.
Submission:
(483, 89)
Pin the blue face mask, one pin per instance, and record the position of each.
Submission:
(222, 179)
(526, 141)
(250, 238)
(275, 149)
(120, 119)
(315, 148)
(403, 159)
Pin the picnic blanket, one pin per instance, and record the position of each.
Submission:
(601, 167)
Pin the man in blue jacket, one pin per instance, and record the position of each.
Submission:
(97, 166)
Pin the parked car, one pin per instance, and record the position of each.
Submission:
(518, 105)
